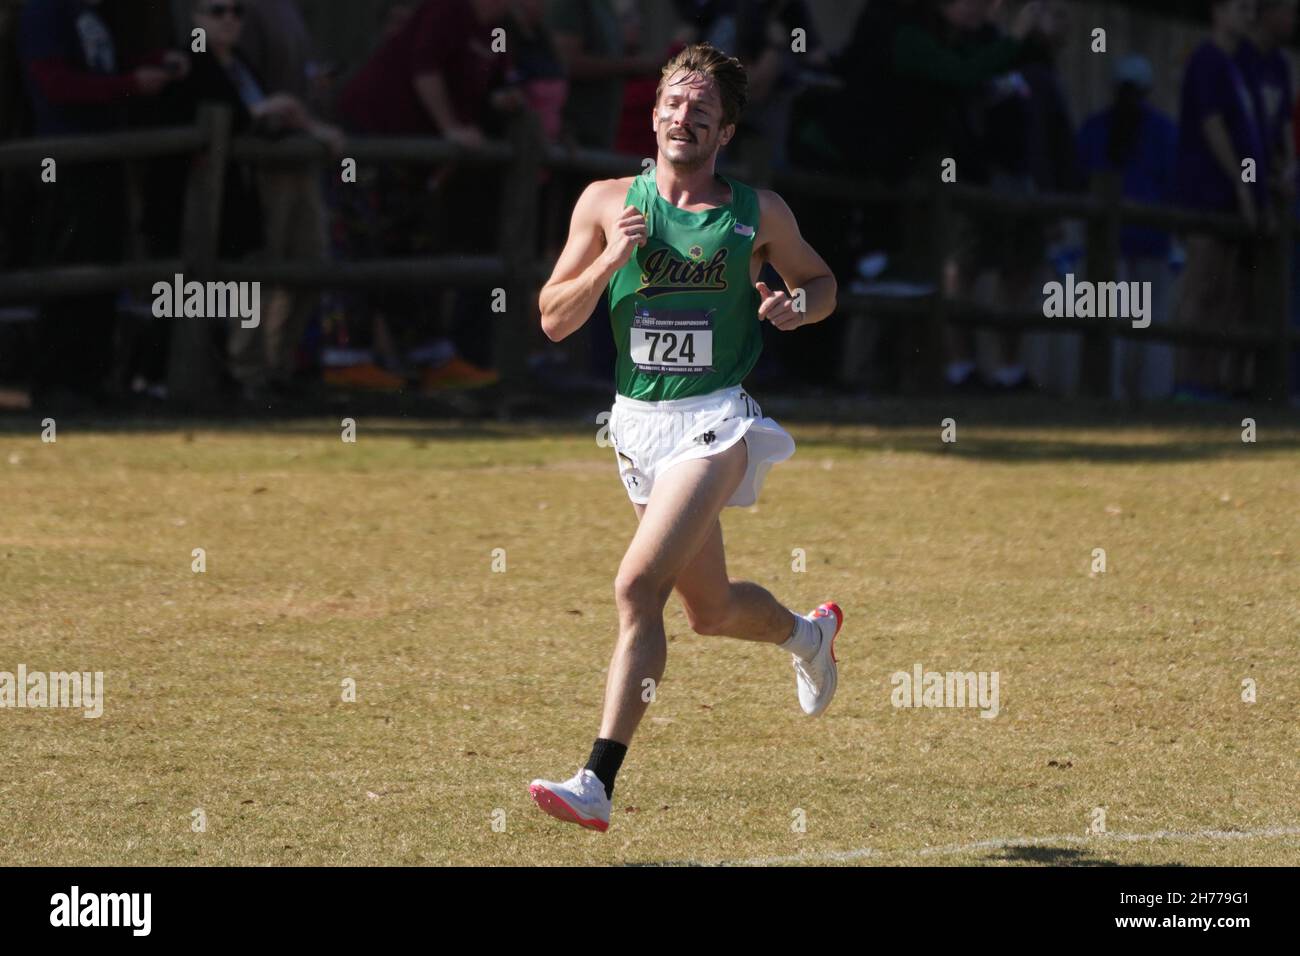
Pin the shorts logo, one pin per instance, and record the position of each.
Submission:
(628, 471)
(708, 438)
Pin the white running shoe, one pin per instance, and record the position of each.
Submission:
(816, 679)
(580, 799)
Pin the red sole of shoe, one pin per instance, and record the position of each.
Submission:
(839, 623)
(552, 805)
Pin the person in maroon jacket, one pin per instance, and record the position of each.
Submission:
(438, 74)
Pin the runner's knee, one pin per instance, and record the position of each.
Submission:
(638, 591)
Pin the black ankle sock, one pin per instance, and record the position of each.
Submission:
(606, 757)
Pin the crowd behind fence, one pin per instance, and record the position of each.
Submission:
(518, 270)
(469, 161)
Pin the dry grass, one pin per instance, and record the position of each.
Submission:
(372, 561)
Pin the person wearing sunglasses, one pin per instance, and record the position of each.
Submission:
(221, 74)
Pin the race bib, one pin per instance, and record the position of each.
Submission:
(676, 342)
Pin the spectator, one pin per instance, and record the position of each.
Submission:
(1029, 144)
(538, 69)
(764, 30)
(944, 55)
(278, 46)
(589, 38)
(1267, 72)
(1134, 139)
(258, 357)
(437, 74)
(75, 84)
(962, 98)
(1218, 130)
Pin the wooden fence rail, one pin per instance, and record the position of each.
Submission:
(516, 267)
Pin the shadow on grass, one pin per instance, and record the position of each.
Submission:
(1032, 449)
(1056, 856)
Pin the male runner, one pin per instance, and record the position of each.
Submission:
(680, 248)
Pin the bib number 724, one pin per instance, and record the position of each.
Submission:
(672, 343)
(675, 349)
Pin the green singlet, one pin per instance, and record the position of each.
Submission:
(683, 308)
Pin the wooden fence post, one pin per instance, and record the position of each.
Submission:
(1095, 360)
(517, 245)
(191, 369)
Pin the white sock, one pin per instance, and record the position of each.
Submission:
(805, 639)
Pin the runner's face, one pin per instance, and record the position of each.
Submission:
(688, 121)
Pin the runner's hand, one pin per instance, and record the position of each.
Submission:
(778, 308)
(628, 234)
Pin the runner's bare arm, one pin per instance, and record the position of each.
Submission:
(798, 264)
(589, 259)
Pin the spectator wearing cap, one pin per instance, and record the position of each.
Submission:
(1135, 140)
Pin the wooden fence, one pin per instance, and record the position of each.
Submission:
(517, 268)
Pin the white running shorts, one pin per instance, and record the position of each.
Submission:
(651, 437)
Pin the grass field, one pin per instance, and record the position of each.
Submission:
(374, 561)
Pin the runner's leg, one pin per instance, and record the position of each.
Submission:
(682, 513)
(717, 605)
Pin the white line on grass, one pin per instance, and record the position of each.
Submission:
(845, 856)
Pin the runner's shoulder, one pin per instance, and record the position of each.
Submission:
(771, 203)
(774, 215)
(604, 192)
